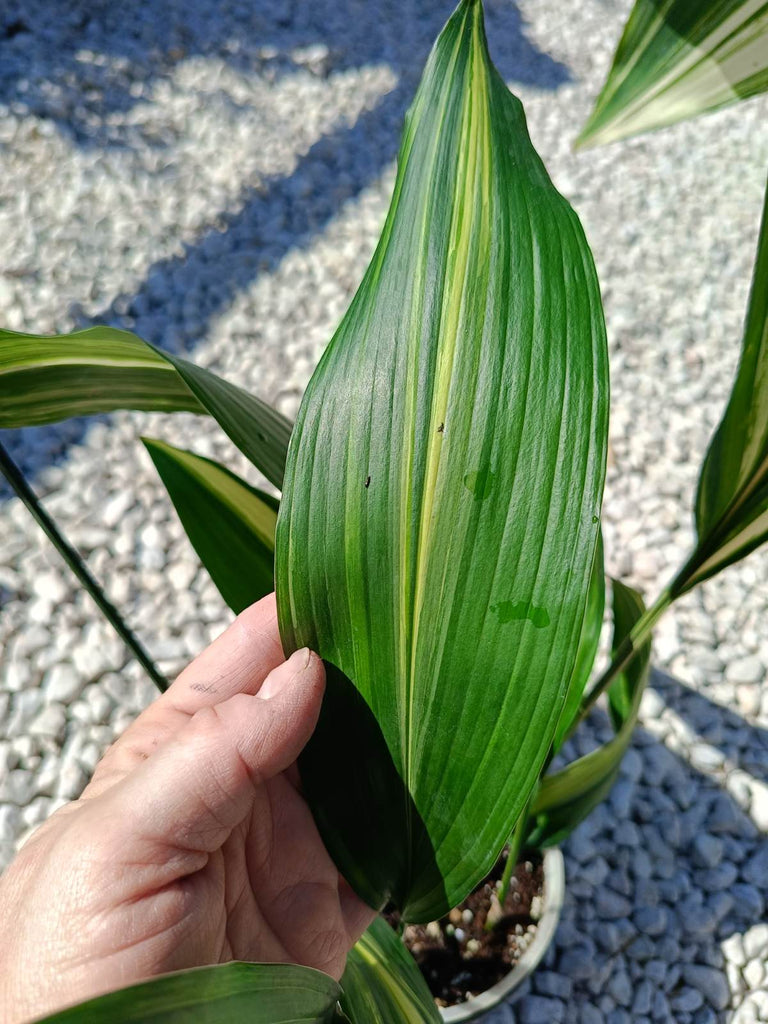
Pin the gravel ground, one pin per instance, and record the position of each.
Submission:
(214, 174)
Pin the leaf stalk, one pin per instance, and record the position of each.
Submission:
(18, 482)
(513, 854)
(626, 653)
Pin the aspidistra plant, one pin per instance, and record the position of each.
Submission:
(437, 540)
(677, 59)
(442, 494)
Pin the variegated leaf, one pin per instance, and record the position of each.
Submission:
(677, 59)
(442, 497)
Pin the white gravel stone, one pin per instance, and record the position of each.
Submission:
(733, 949)
(10, 819)
(754, 973)
(62, 683)
(50, 586)
(758, 804)
(17, 787)
(745, 670)
(755, 941)
(115, 508)
(72, 781)
(51, 721)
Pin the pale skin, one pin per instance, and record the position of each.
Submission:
(192, 844)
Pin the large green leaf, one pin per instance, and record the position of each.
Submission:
(235, 993)
(382, 983)
(566, 797)
(732, 499)
(589, 640)
(442, 494)
(44, 379)
(679, 58)
(230, 524)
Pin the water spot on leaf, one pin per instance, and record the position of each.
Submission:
(515, 611)
(480, 482)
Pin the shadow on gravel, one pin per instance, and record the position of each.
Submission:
(664, 871)
(743, 744)
(83, 65)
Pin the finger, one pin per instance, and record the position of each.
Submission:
(296, 880)
(236, 662)
(357, 914)
(189, 796)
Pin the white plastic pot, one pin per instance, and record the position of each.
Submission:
(552, 897)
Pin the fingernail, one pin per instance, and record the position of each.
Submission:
(280, 677)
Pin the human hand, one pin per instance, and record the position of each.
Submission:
(192, 844)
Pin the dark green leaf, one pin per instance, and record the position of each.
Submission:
(45, 379)
(591, 627)
(732, 500)
(259, 431)
(568, 796)
(680, 58)
(234, 993)
(439, 519)
(230, 524)
(382, 983)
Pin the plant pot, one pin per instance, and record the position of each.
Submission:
(553, 893)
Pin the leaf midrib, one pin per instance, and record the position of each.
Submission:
(471, 164)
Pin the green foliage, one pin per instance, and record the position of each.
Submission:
(45, 379)
(234, 993)
(732, 499)
(677, 59)
(382, 984)
(230, 524)
(566, 797)
(448, 461)
(589, 639)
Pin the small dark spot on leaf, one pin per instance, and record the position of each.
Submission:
(480, 482)
(441, 428)
(15, 28)
(516, 611)
(367, 482)
(595, 519)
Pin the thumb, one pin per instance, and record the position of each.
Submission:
(199, 786)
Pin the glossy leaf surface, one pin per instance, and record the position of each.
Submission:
(234, 993)
(732, 499)
(382, 983)
(440, 511)
(677, 59)
(589, 640)
(230, 524)
(566, 797)
(44, 379)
